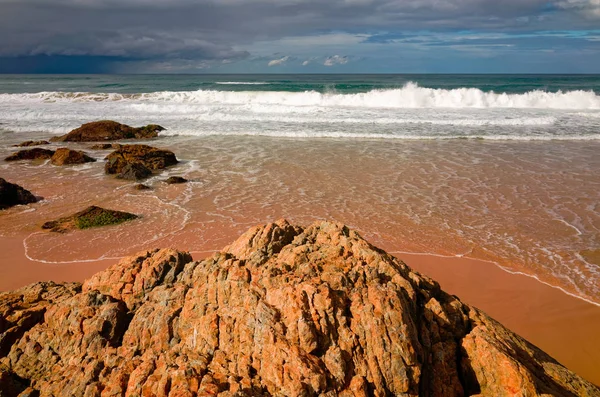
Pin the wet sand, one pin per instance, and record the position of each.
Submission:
(16, 270)
(565, 327)
(529, 206)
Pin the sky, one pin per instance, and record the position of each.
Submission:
(299, 36)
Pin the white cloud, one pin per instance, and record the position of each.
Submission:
(310, 60)
(335, 60)
(280, 61)
(578, 3)
(588, 8)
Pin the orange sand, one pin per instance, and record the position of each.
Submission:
(565, 327)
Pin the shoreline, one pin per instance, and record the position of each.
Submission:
(399, 254)
(564, 326)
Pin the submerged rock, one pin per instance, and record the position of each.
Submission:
(282, 311)
(32, 143)
(105, 146)
(148, 156)
(12, 194)
(174, 180)
(140, 186)
(90, 217)
(65, 156)
(107, 130)
(31, 154)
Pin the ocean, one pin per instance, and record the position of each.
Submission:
(504, 168)
(353, 106)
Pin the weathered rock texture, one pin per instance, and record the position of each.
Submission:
(31, 154)
(148, 156)
(282, 311)
(32, 143)
(90, 217)
(65, 156)
(12, 194)
(107, 130)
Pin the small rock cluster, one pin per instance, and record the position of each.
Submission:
(132, 162)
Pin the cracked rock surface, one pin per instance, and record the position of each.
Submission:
(284, 311)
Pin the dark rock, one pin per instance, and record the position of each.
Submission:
(65, 156)
(105, 146)
(150, 157)
(31, 154)
(90, 217)
(176, 180)
(134, 172)
(32, 143)
(11, 385)
(140, 186)
(12, 194)
(107, 130)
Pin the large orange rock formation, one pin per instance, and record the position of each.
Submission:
(282, 311)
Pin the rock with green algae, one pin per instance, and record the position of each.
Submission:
(90, 217)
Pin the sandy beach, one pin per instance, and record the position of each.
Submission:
(563, 326)
(476, 189)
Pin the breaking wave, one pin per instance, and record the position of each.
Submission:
(411, 96)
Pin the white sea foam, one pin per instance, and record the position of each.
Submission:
(571, 226)
(353, 135)
(404, 113)
(410, 96)
(199, 114)
(593, 115)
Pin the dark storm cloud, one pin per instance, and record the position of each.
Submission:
(184, 30)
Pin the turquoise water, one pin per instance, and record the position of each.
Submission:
(512, 84)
